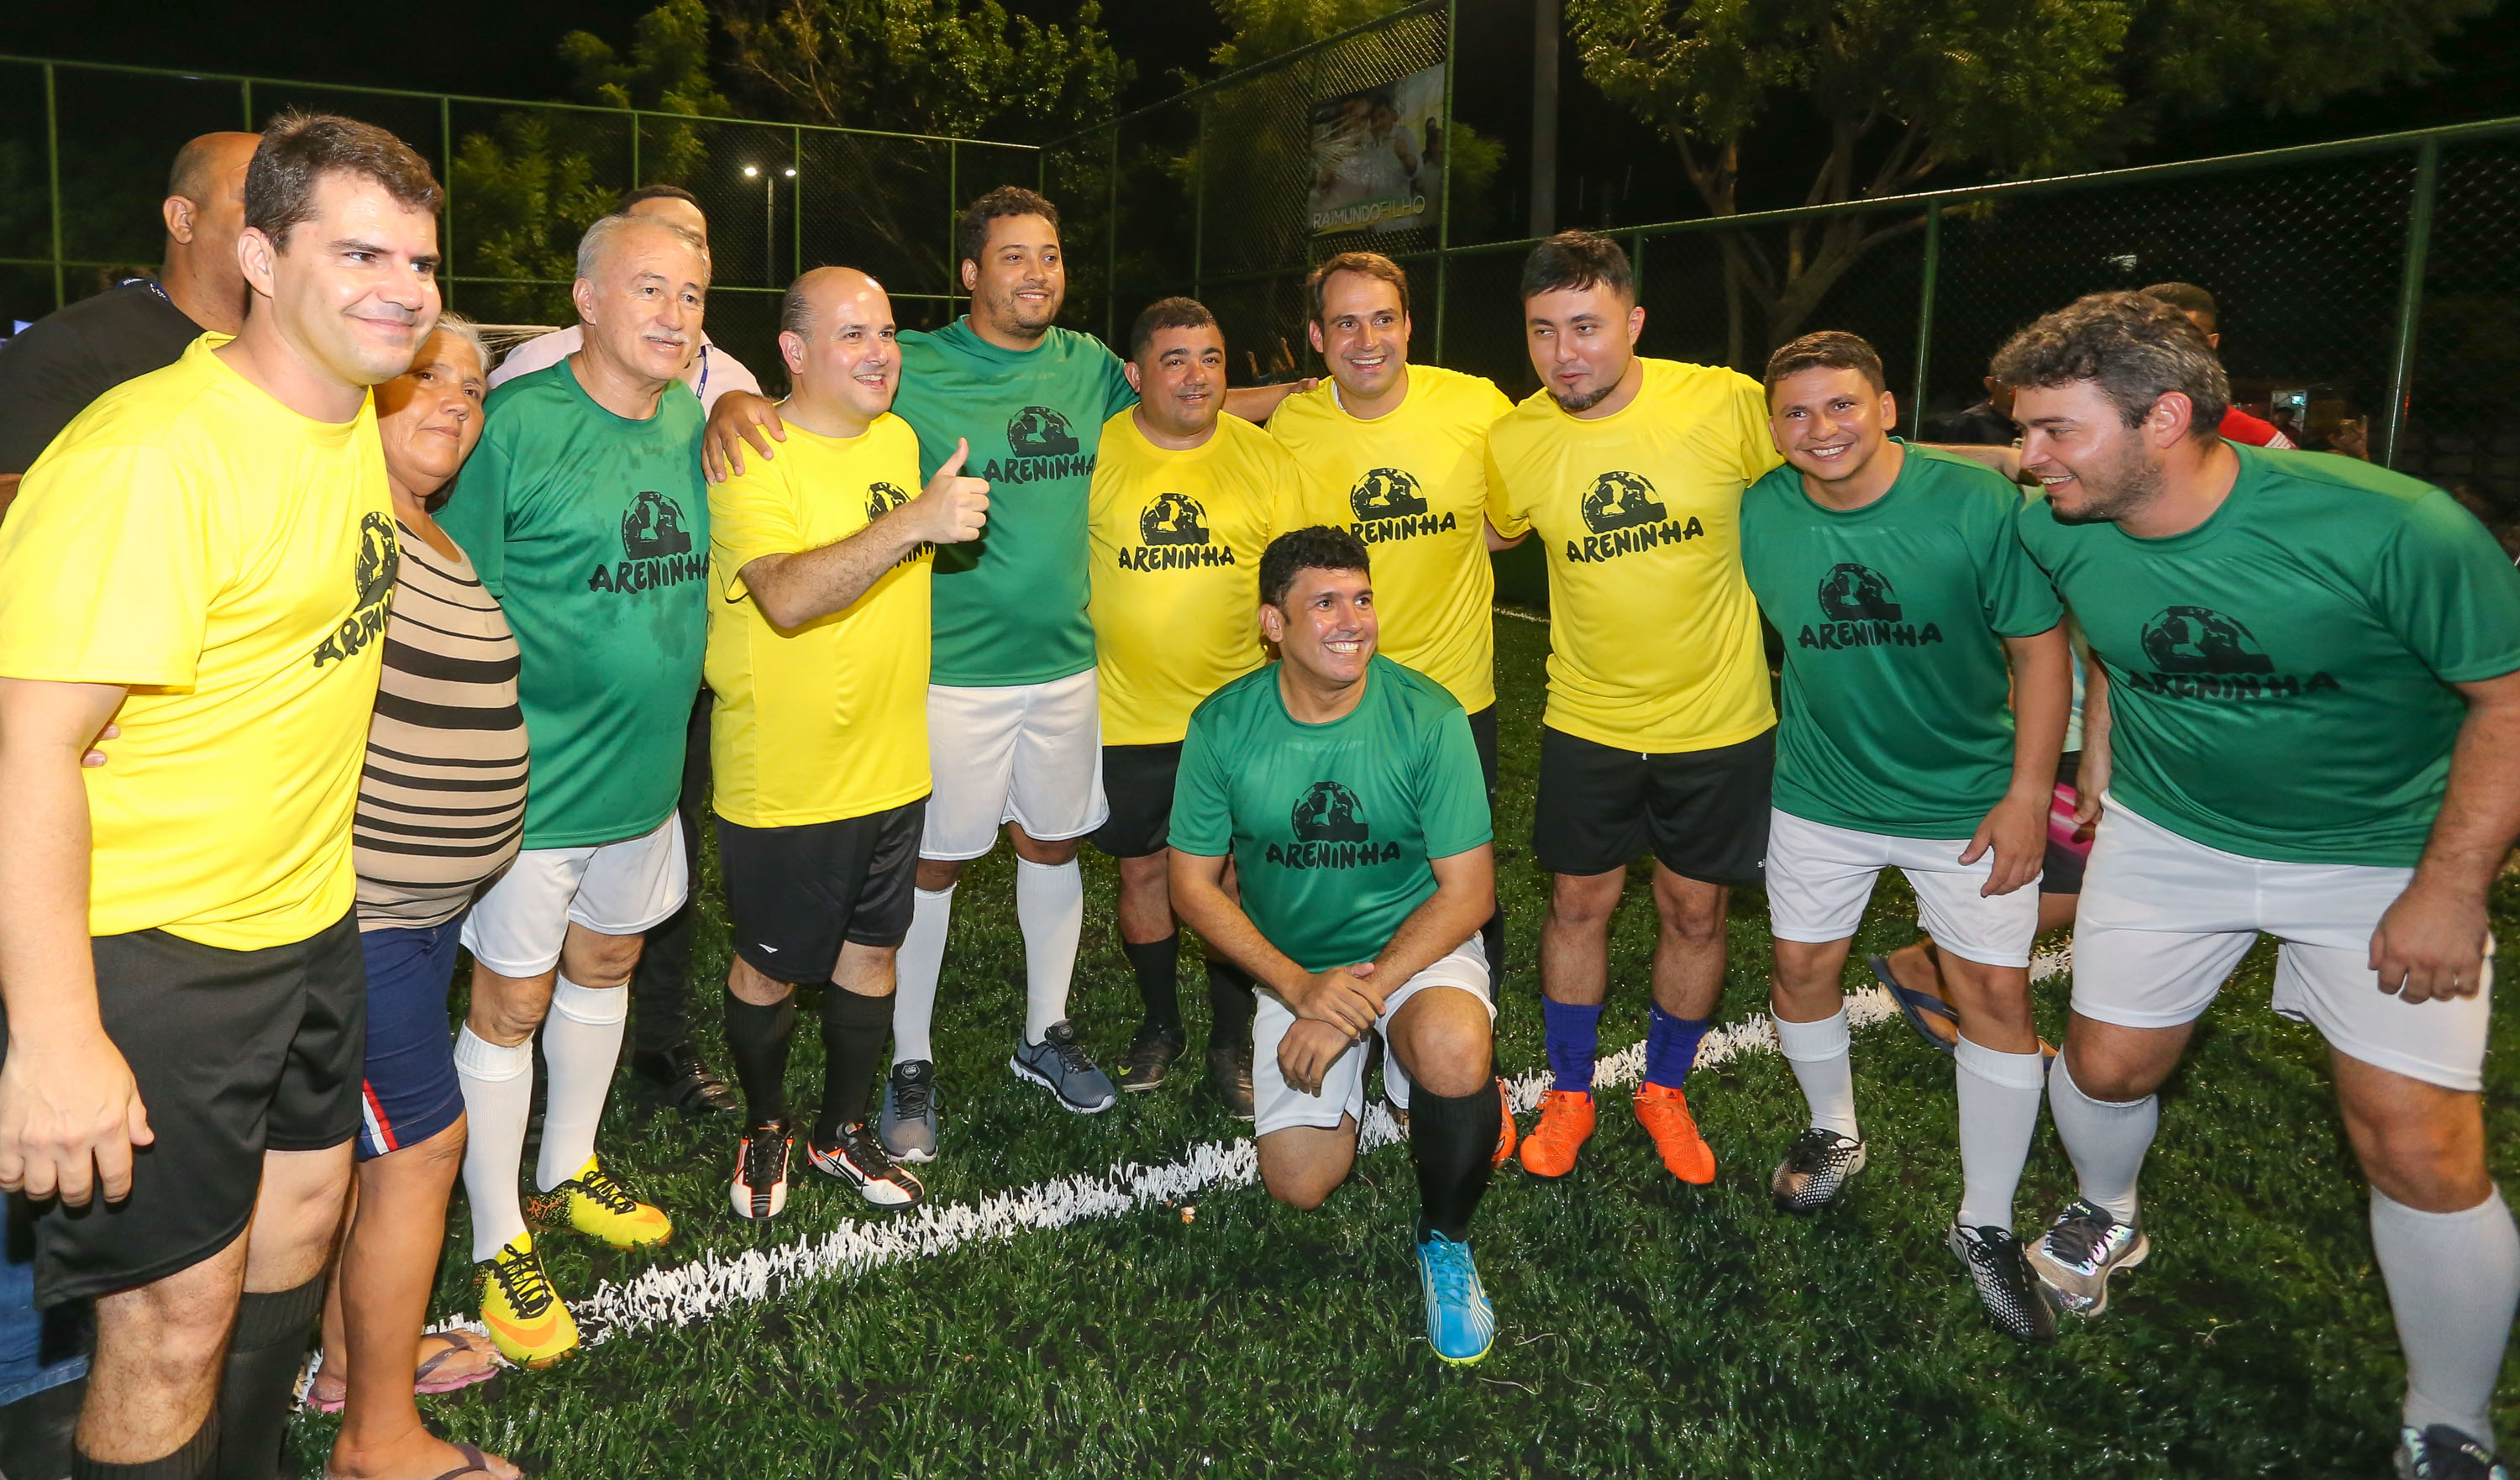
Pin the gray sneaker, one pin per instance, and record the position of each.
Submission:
(2080, 1251)
(907, 1123)
(1058, 1063)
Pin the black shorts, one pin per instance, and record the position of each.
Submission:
(1483, 734)
(2062, 871)
(1138, 780)
(236, 1052)
(1702, 813)
(795, 894)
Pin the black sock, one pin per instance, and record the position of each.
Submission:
(1229, 1005)
(1453, 1140)
(854, 1029)
(1491, 940)
(196, 1459)
(1157, 963)
(758, 1039)
(258, 1388)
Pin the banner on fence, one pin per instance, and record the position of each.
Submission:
(1377, 157)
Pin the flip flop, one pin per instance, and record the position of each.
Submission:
(476, 1462)
(1916, 1005)
(423, 1379)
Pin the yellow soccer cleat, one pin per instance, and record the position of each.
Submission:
(527, 1321)
(600, 1208)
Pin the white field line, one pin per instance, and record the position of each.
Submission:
(714, 1283)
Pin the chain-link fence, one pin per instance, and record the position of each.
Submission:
(84, 152)
(2370, 289)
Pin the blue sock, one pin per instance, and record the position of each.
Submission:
(1671, 1045)
(1574, 1038)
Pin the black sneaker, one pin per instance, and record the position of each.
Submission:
(1816, 1169)
(759, 1191)
(860, 1161)
(2000, 1272)
(2442, 1452)
(1229, 1078)
(675, 1079)
(1150, 1057)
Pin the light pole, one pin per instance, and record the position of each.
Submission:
(769, 219)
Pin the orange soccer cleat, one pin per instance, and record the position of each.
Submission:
(1664, 1114)
(1565, 1124)
(1505, 1133)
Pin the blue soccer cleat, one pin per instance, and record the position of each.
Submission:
(1461, 1323)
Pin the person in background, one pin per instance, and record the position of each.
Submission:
(2198, 305)
(1988, 424)
(72, 355)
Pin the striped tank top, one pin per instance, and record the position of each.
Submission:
(442, 796)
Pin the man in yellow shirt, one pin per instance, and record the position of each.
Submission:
(1184, 499)
(1659, 733)
(1397, 454)
(818, 655)
(204, 558)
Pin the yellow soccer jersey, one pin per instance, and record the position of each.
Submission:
(827, 720)
(1411, 484)
(1177, 540)
(230, 562)
(1653, 638)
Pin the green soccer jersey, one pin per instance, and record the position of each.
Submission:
(2276, 674)
(1331, 827)
(591, 530)
(1009, 607)
(1897, 718)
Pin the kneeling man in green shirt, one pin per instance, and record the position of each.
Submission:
(1347, 791)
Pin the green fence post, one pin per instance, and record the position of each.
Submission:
(1112, 242)
(635, 181)
(952, 224)
(2411, 296)
(1916, 418)
(1637, 263)
(1443, 212)
(796, 198)
(246, 92)
(446, 154)
(52, 164)
(1199, 208)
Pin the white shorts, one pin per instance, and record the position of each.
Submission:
(1279, 1105)
(1820, 879)
(2164, 921)
(1029, 754)
(624, 888)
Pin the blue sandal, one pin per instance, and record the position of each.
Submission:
(1915, 1006)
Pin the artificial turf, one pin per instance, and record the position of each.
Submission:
(1643, 1327)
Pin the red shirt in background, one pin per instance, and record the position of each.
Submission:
(2241, 427)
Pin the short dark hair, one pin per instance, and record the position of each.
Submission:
(1371, 264)
(297, 150)
(1826, 349)
(2133, 347)
(971, 232)
(1163, 314)
(2186, 298)
(630, 198)
(1577, 259)
(1316, 547)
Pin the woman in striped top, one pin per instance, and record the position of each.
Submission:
(442, 807)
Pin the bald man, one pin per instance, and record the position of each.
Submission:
(818, 654)
(70, 357)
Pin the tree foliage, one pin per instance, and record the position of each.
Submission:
(1908, 87)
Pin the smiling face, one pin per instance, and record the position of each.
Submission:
(1021, 278)
(1326, 625)
(1582, 342)
(844, 360)
(2092, 464)
(1828, 421)
(353, 287)
(429, 418)
(641, 306)
(1180, 377)
(1363, 333)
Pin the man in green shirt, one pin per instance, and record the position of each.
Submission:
(585, 513)
(2311, 670)
(1014, 717)
(1894, 575)
(1346, 790)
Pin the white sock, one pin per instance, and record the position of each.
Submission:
(582, 1044)
(2105, 1137)
(1824, 1065)
(1050, 905)
(498, 1098)
(1999, 1094)
(916, 969)
(2454, 1280)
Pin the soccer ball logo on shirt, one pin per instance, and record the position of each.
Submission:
(656, 548)
(1626, 517)
(1390, 505)
(883, 499)
(2199, 652)
(1037, 431)
(1860, 608)
(1175, 531)
(1330, 833)
(372, 583)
